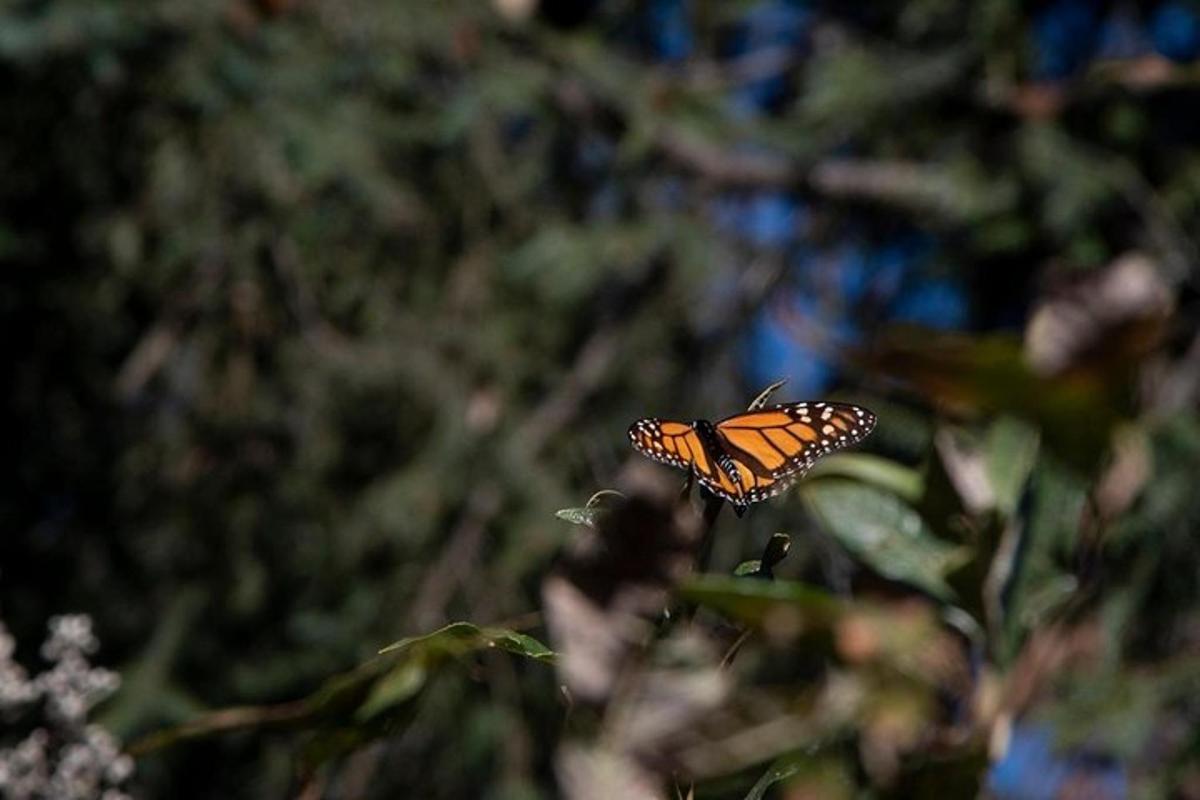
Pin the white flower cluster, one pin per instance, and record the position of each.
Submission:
(63, 757)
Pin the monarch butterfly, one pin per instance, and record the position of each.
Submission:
(752, 456)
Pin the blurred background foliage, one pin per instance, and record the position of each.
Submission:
(316, 312)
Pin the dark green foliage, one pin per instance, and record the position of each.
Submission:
(317, 312)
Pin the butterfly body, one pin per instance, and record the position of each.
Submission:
(750, 457)
(711, 441)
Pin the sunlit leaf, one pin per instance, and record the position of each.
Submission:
(580, 516)
(885, 533)
(883, 473)
(748, 569)
(590, 514)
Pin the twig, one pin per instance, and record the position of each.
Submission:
(146, 359)
(229, 719)
(731, 653)
(718, 163)
(556, 411)
(1046, 100)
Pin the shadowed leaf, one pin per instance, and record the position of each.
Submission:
(753, 601)
(781, 769)
(347, 708)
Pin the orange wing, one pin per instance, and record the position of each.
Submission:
(783, 441)
(674, 443)
(769, 449)
(678, 444)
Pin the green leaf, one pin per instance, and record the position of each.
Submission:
(587, 517)
(520, 644)
(781, 769)
(775, 551)
(590, 514)
(394, 688)
(1051, 529)
(753, 601)
(883, 473)
(885, 533)
(1010, 449)
(452, 638)
(349, 707)
(748, 569)
(811, 773)
(458, 638)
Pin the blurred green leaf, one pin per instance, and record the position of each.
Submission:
(884, 533)
(1042, 565)
(972, 375)
(397, 686)
(339, 255)
(883, 473)
(1011, 449)
(781, 769)
(458, 638)
(751, 601)
(359, 697)
(748, 569)
(1046, 599)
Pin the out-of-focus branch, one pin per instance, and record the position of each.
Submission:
(1046, 100)
(909, 184)
(755, 65)
(719, 163)
(229, 719)
(560, 407)
(148, 356)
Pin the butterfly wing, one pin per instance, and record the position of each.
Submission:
(678, 444)
(778, 444)
(768, 449)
